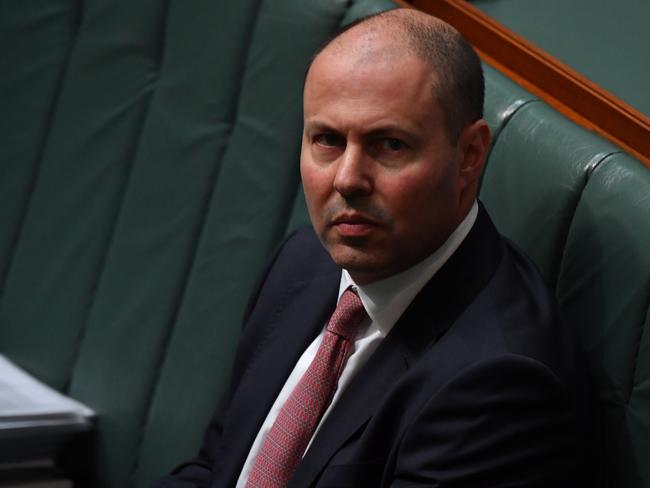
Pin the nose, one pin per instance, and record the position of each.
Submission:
(352, 174)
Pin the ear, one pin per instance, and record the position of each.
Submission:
(473, 146)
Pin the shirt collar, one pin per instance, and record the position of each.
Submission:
(386, 300)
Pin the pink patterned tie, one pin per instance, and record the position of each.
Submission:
(294, 427)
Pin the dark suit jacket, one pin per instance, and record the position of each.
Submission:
(473, 387)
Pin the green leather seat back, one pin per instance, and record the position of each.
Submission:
(151, 159)
(604, 290)
(503, 99)
(27, 111)
(536, 171)
(193, 126)
(581, 210)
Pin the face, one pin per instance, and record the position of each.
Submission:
(381, 178)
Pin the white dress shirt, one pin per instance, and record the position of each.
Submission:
(385, 301)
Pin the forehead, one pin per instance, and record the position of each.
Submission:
(370, 81)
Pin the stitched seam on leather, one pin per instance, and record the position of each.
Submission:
(629, 387)
(565, 235)
(506, 121)
(496, 136)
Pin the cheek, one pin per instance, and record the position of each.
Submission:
(410, 192)
(314, 183)
(311, 182)
(419, 198)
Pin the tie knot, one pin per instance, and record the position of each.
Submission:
(348, 315)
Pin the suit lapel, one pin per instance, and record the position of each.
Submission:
(427, 318)
(288, 334)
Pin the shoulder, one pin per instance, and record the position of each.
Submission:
(526, 314)
(301, 256)
(511, 313)
(299, 259)
(303, 245)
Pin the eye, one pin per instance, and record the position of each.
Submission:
(391, 144)
(391, 151)
(329, 140)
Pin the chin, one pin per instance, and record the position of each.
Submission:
(362, 267)
(348, 258)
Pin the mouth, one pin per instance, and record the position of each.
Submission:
(353, 225)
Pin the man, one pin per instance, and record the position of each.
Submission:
(457, 372)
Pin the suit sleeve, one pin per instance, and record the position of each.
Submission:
(197, 472)
(508, 423)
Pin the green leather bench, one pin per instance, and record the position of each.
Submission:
(581, 209)
(148, 166)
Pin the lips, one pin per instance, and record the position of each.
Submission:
(353, 225)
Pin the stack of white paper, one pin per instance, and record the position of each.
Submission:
(34, 418)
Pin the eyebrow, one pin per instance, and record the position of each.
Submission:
(390, 130)
(380, 130)
(318, 125)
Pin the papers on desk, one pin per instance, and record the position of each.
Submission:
(35, 419)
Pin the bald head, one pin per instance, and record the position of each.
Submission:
(389, 168)
(456, 73)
